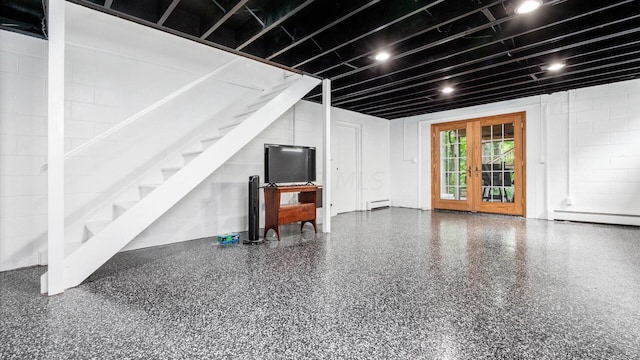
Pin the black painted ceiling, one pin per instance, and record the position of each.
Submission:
(480, 47)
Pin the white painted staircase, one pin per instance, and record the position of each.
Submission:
(130, 218)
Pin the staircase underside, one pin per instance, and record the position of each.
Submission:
(131, 218)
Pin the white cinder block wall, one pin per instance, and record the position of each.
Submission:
(23, 148)
(107, 81)
(582, 145)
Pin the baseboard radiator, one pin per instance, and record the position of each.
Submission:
(378, 204)
(600, 216)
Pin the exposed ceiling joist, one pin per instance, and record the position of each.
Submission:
(561, 85)
(415, 100)
(168, 12)
(413, 35)
(439, 42)
(541, 78)
(324, 28)
(224, 18)
(352, 95)
(447, 56)
(362, 36)
(275, 21)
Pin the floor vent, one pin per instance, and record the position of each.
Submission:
(378, 204)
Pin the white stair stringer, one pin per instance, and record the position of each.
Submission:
(116, 235)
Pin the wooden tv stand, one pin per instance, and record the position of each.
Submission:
(277, 214)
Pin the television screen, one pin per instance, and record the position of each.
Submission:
(289, 164)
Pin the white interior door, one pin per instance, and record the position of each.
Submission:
(345, 162)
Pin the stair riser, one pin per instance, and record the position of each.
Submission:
(117, 211)
(88, 234)
(259, 104)
(207, 143)
(226, 130)
(285, 84)
(166, 174)
(244, 115)
(145, 190)
(188, 158)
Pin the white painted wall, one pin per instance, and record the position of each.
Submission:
(23, 148)
(600, 148)
(109, 80)
(375, 149)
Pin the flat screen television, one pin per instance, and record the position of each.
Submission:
(289, 164)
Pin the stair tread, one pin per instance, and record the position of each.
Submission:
(269, 93)
(170, 168)
(245, 113)
(285, 83)
(217, 137)
(230, 125)
(195, 152)
(125, 204)
(97, 225)
(278, 88)
(150, 185)
(262, 101)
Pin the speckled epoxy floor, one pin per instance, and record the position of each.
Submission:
(389, 284)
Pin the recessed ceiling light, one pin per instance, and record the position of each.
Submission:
(447, 89)
(382, 56)
(556, 66)
(528, 6)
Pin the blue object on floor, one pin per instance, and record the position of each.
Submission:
(230, 238)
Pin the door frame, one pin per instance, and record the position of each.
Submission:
(358, 169)
(474, 185)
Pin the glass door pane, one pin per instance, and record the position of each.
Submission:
(453, 164)
(498, 163)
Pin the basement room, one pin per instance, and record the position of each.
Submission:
(307, 179)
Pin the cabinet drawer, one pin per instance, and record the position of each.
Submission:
(296, 212)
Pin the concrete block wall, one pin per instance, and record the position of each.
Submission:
(23, 148)
(605, 161)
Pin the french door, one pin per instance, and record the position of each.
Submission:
(479, 165)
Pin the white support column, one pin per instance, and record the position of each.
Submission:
(326, 181)
(54, 283)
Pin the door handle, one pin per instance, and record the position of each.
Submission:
(469, 171)
(477, 170)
